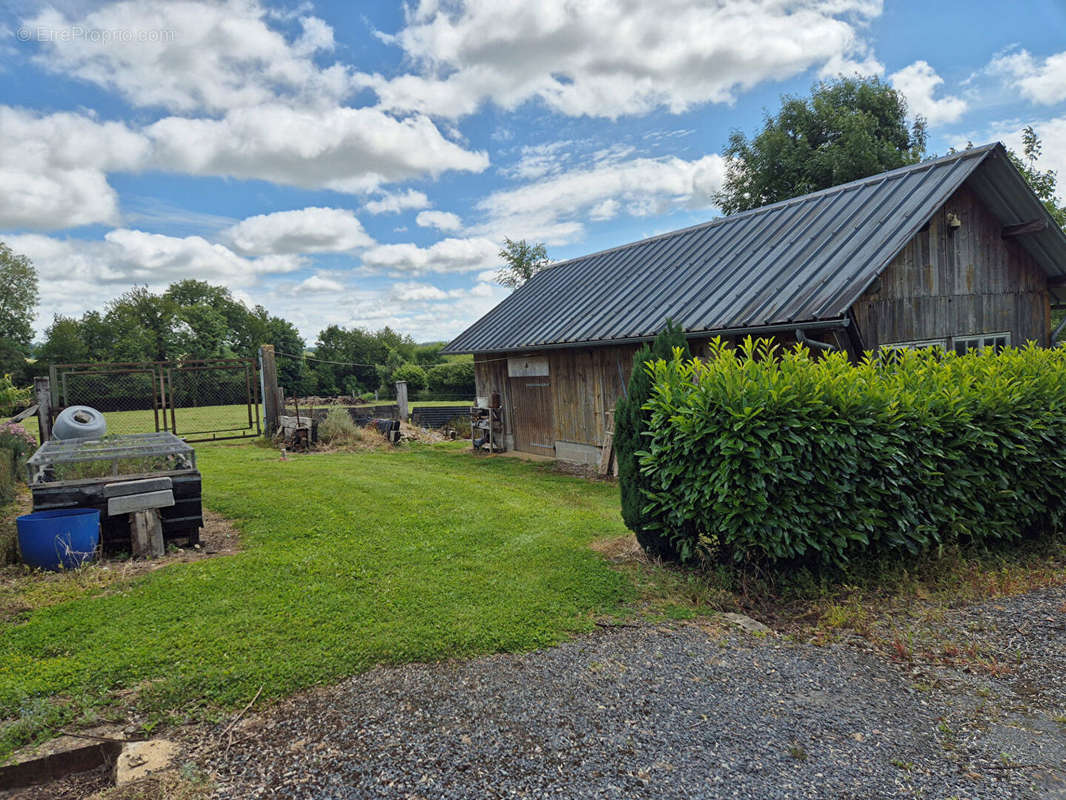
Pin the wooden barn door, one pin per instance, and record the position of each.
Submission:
(534, 420)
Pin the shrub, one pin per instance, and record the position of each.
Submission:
(12, 398)
(456, 378)
(763, 456)
(339, 428)
(630, 423)
(413, 374)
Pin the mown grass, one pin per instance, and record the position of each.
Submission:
(349, 560)
(232, 418)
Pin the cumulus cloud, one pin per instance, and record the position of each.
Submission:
(53, 168)
(344, 149)
(76, 273)
(1050, 131)
(612, 59)
(191, 56)
(441, 220)
(553, 210)
(318, 283)
(1042, 82)
(447, 255)
(395, 202)
(307, 230)
(918, 82)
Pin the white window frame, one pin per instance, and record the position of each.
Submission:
(983, 340)
(917, 344)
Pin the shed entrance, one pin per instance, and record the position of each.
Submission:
(534, 420)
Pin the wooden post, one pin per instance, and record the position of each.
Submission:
(146, 533)
(401, 399)
(42, 390)
(268, 369)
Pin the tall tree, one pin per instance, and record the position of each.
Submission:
(1043, 182)
(18, 305)
(522, 261)
(848, 128)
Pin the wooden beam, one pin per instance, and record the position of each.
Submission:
(1024, 228)
(269, 373)
(1056, 282)
(42, 391)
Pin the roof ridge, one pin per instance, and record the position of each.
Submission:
(751, 212)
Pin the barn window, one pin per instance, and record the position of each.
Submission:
(995, 341)
(921, 344)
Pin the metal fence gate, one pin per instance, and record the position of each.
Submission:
(200, 400)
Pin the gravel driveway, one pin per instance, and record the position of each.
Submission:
(680, 712)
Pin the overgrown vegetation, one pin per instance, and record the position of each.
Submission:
(755, 455)
(630, 425)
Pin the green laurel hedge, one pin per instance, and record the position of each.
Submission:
(754, 454)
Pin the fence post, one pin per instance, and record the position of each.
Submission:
(268, 369)
(401, 399)
(42, 391)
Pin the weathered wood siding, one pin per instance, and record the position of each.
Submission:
(945, 284)
(586, 382)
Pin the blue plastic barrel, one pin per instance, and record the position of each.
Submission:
(61, 539)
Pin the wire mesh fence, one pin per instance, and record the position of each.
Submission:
(197, 400)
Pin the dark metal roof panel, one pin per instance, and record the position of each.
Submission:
(799, 261)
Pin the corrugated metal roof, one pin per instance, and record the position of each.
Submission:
(799, 262)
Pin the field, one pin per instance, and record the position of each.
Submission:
(229, 420)
(349, 560)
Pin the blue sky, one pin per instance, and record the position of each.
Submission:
(360, 163)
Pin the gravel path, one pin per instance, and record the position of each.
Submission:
(680, 712)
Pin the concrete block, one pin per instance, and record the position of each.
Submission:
(138, 487)
(577, 453)
(128, 504)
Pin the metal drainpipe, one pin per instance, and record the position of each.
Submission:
(801, 337)
(1057, 331)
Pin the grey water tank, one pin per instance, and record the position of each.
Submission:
(79, 422)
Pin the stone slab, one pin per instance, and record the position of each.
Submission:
(138, 487)
(128, 504)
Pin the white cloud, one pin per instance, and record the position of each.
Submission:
(307, 230)
(447, 255)
(1051, 132)
(918, 82)
(188, 56)
(319, 283)
(53, 168)
(76, 274)
(395, 202)
(344, 149)
(441, 220)
(553, 210)
(1042, 82)
(611, 59)
(407, 291)
(426, 311)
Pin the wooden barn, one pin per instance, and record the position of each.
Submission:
(955, 252)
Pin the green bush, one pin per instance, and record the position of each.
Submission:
(630, 423)
(413, 374)
(453, 378)
(757, 455)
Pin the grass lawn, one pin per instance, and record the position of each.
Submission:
(349, 560)
(191, 421)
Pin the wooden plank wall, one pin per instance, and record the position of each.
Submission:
(957, 283)
(587, 384)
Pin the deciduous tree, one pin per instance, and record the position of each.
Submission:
(847, 129)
